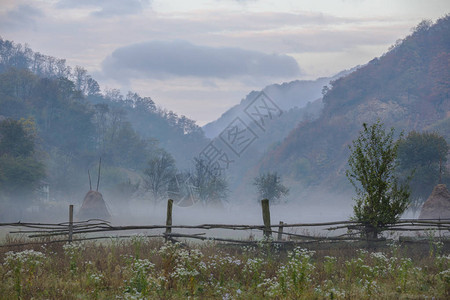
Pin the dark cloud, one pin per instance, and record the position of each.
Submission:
(159, 59)
(19, 17)
(106, 8)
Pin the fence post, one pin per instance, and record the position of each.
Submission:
(266, 218)
(70, 222)
(169, 218)
(280, 231)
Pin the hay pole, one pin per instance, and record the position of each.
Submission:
(99, 169)
(90, 183)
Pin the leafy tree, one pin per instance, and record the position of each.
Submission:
(101, 118)
(15, 140)
(13, 55)
(424, 154)
(159, 172)
(20, 171)
(269, 186)
(19, 176)
(84, 82)
(128, 148)
(211, 185)
(380, 199)
(422, 149)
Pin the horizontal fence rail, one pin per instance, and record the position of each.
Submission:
(353, 230)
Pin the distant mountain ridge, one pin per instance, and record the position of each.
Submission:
(287, 95)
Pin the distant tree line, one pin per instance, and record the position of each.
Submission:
(201, 183)
(75, 123)
(20, 169)
(422, 157)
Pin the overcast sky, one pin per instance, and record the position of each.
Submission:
(198, 58)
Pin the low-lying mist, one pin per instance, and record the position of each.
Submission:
(231, 213)
(144, 212)
(321, 207)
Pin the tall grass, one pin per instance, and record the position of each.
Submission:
(141, 268)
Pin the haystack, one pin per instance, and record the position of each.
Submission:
(93, 207)
(437, 205)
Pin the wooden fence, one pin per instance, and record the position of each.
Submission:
(284, 233)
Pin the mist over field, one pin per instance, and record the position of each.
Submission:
(214, 119)
(317, 208)
(245, 213)
(169, 149)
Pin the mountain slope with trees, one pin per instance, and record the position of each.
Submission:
(76, 123)
(299, 101)
(406, 88)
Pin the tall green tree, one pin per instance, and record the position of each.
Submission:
(159, 172)
(20, 171)
(15, 141)
(270, 187)
(425, 155)
(380, 198)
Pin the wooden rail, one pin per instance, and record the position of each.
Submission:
(353, 229)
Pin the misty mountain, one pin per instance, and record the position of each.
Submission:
(406, 88)
(294, 94)
(172, 131)
(265, 141)
(177, 134)
(74, 123)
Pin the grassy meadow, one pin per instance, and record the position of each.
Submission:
(142, 268)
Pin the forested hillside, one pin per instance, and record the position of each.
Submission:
(407, 88)
(76, 123)
(277, 129)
